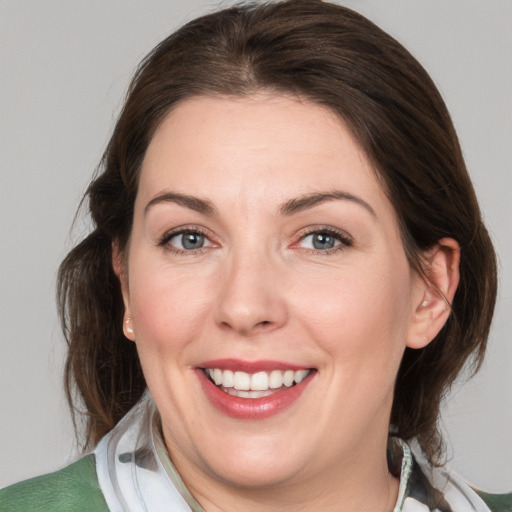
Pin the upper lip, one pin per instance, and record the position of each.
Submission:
(251, 366)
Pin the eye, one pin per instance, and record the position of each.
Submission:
(324, 240)
(186, 240)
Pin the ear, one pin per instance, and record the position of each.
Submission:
(121, 271)
(435, 291)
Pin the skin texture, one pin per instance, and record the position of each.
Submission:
(259, 290)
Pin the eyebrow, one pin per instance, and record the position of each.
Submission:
(307, 201)
(295, 205)
(194, 203)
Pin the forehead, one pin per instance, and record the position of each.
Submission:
(254, 147)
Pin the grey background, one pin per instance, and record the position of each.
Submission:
(64, 66)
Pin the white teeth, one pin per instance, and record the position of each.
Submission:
(217, 376)
(228, 379)
(242, 381)
(301, 375)
(260, 381)
(276, 379)
(288, 378)
(248, 394)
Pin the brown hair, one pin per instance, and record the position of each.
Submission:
(332, 56)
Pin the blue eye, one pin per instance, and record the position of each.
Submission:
(188, 241)
(324, 240)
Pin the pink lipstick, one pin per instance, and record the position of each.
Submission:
(252, 389)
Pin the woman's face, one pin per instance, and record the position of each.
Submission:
(266, 257)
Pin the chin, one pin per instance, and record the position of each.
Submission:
(255, 473)
(254, 461)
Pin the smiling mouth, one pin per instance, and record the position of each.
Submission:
(254, 385)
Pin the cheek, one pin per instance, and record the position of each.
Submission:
(358, 316)
(168, 308)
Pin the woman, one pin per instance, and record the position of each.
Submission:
(288, 265)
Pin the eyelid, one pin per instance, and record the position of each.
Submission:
(179, 230)
(345, 239)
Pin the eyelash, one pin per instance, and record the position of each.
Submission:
(164, 241)
(343, 238)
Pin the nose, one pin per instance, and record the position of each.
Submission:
(251, 298)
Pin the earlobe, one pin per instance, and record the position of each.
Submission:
(128, 328)
(437, 287)
(119, 266)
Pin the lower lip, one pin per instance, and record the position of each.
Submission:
(252, 408)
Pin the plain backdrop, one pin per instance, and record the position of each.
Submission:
(64, 68)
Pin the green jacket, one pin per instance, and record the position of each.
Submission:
(72, 489)
(76, 489)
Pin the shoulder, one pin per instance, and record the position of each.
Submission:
(74, 488)
(497, 502)
(442, 489)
